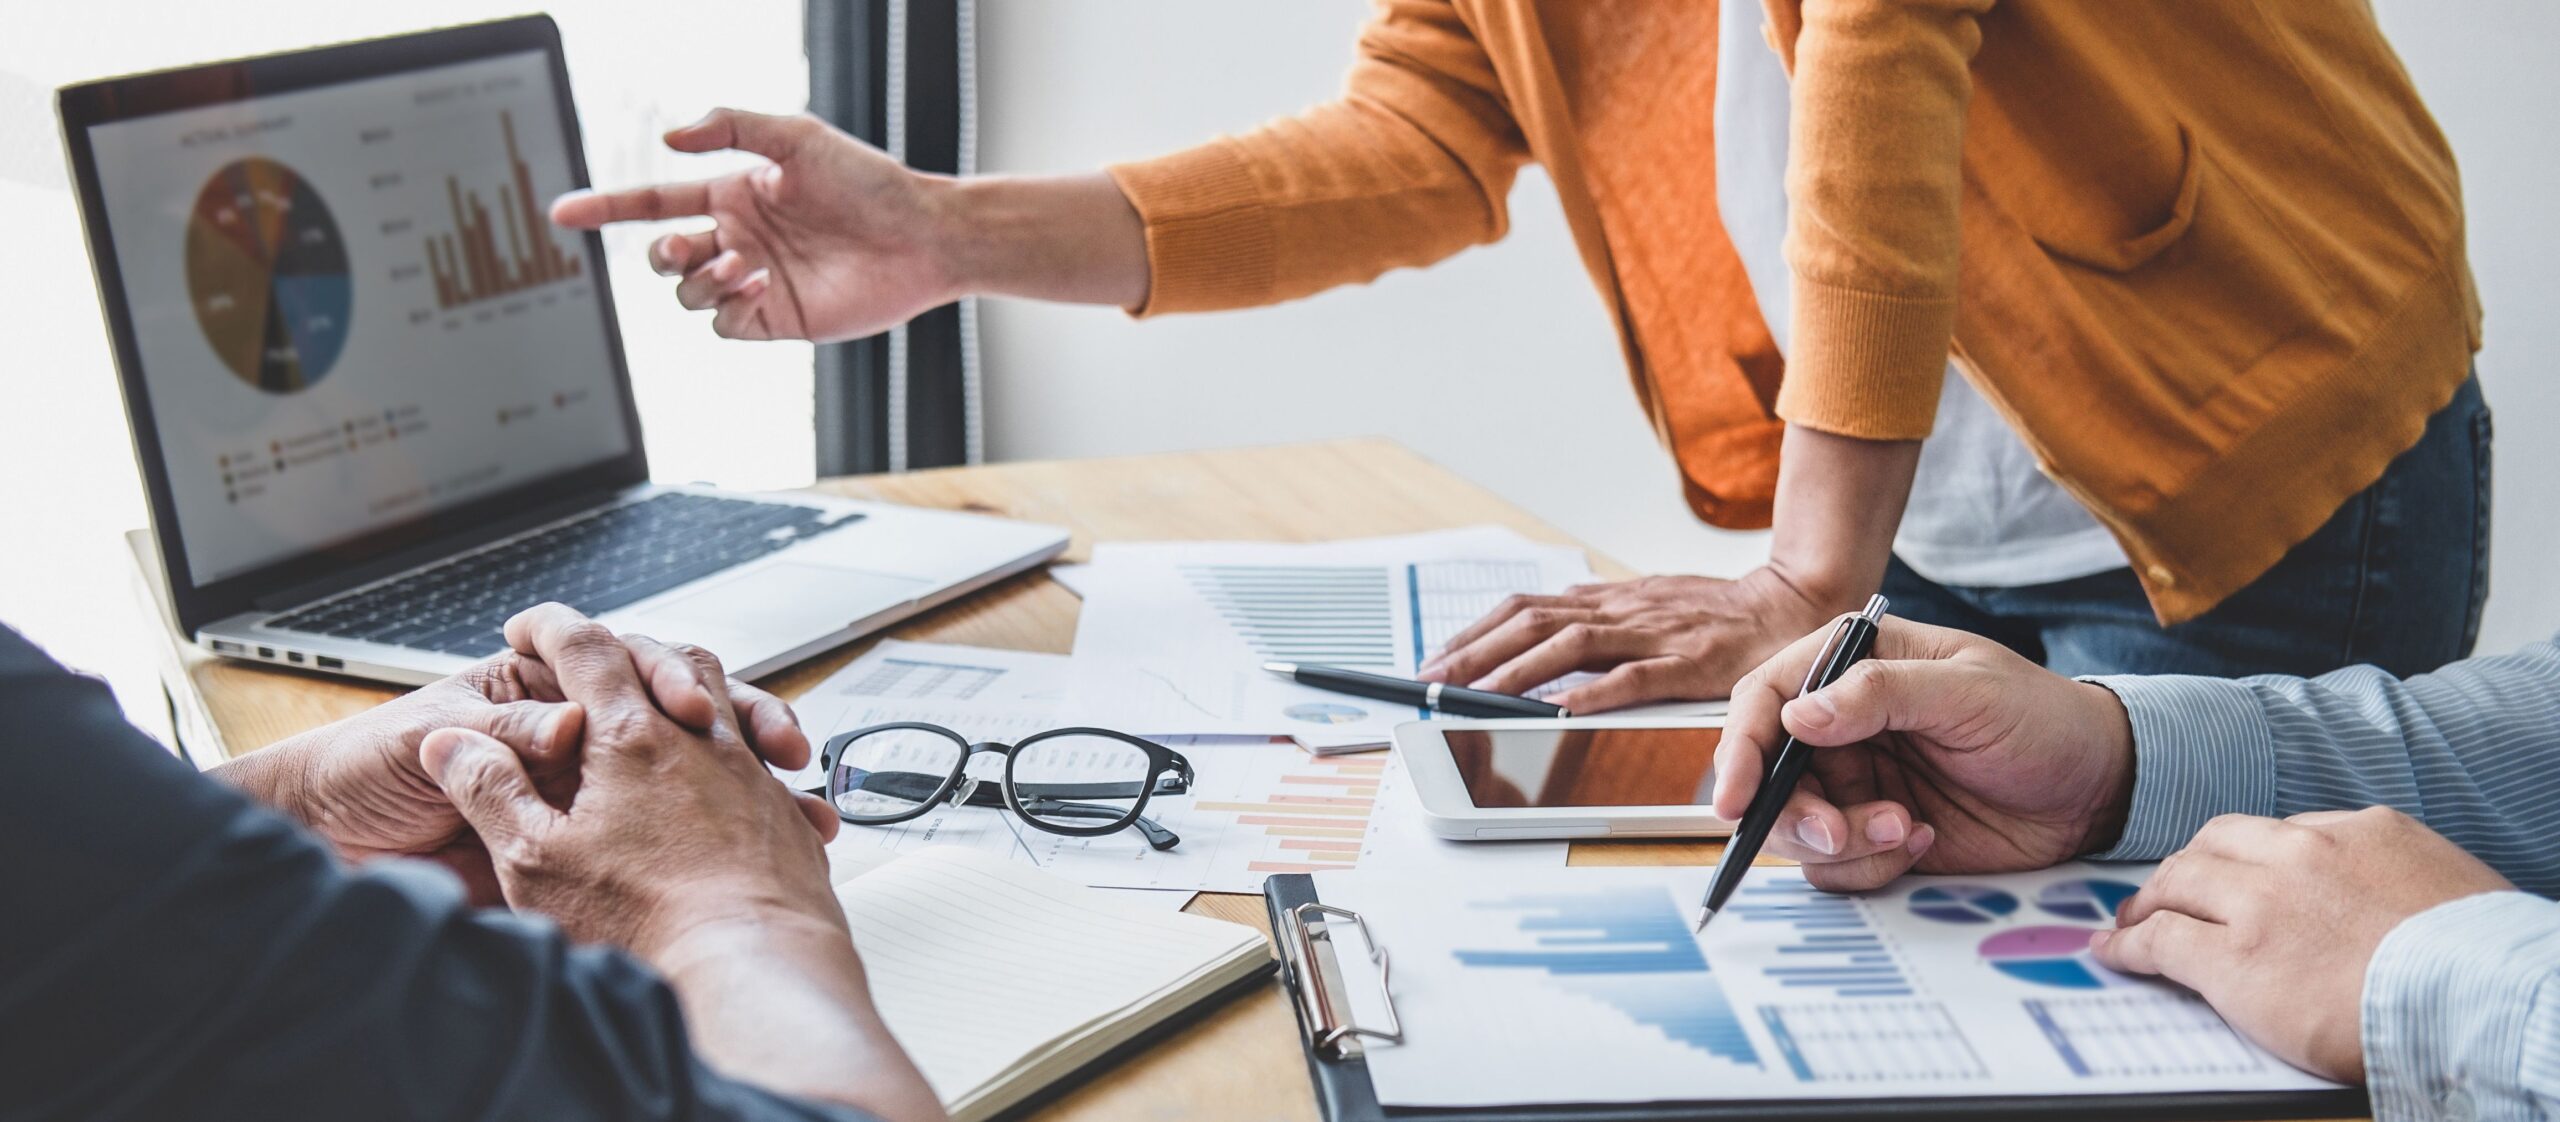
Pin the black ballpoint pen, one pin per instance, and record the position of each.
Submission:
(1456, 701)
(1849, 642)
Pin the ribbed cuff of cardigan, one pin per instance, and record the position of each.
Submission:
(1865, 365)
(1209, 238)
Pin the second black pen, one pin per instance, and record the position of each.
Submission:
(1456, 701)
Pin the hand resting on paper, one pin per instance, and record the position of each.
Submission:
(1947, 753)
(1653, 639)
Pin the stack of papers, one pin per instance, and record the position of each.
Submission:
(1170, 646)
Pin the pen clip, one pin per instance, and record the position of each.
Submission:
(1872, 615)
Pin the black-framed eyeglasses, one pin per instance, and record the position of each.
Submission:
(1082, 782)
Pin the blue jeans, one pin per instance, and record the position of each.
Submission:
(2395, 578)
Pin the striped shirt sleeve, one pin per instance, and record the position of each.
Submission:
(2462, 1002)
(2460, 1015)
(2472, 750)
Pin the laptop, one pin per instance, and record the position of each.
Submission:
(380, 403)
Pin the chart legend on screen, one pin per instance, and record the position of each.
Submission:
(468, 264)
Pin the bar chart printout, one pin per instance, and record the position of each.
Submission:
(1630, 949)
(1314, 817)
(468, 264)
(1585, 985)
(1325, 615)
(1827, 945)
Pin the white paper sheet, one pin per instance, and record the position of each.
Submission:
(1174, 635)
(1069, 576)
(1586, 985)
(1002, 687)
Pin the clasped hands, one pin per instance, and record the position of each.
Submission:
(1947, 753)
(614, 782)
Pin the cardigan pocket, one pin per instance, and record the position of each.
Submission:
(2128, 254)
(2200, 298)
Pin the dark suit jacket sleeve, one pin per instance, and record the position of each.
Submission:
(169, 949)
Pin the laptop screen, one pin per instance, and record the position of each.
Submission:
(348, 307)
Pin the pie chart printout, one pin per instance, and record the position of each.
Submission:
(1962, 903)
(2093, 900)
(267, 274)
(2049, 956)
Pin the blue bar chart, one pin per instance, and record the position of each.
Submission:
(1831, 947)
(1328, 615)
(1630, 949)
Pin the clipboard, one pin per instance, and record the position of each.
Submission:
(1316, 978)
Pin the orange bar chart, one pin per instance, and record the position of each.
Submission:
(468, 264)
(1318, 820)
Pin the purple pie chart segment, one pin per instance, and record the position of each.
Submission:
(2057, 957)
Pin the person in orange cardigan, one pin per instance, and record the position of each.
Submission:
(2197, 271)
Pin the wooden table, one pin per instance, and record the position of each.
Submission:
(1242, 1061)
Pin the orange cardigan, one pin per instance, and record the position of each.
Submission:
(2206, 257)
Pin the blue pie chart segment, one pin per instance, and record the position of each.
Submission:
(1962, 903)
(2093, 900)
(2057, 957)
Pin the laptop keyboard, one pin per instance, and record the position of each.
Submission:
(615, 557)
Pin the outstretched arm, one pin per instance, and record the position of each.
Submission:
(834, 240)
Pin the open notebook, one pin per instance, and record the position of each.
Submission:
(1002, 980)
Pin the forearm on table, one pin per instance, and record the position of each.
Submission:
(780, 1001)
(1839, 500)
(1069, 238)
(2460, 749)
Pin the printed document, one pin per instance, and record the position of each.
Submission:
(1588, 986)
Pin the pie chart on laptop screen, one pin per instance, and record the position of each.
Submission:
(267, 274)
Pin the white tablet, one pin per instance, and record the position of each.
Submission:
(1573, 777)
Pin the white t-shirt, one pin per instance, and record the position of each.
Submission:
(1982, 511)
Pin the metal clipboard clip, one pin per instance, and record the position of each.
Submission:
(1333, 1034)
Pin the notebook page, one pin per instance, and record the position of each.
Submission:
(975, 962)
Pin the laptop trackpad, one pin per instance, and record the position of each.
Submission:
(788, 602)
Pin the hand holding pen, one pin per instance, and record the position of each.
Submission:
(1849, 642)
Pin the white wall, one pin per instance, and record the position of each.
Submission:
(2484, 67)
(1499, 363)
